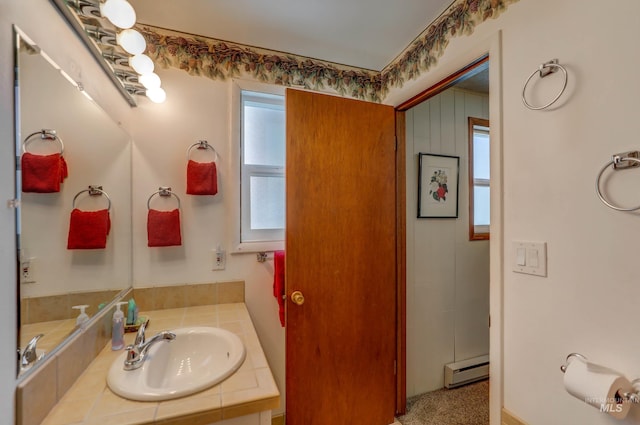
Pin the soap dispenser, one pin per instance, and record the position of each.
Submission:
(117, 328)
(82, 317)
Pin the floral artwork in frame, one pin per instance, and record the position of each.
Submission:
(438, 186)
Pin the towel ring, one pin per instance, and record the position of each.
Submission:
(44, 135)
(203, 144)
(162, 191)
(543, 70)
(619, 161)
(93, 191)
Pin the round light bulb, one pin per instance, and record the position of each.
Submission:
(141, 63)
(149, 81)
(131, 41)
(157, 95)
(119, 12)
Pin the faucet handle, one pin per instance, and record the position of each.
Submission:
(29, 354)
(140, 337)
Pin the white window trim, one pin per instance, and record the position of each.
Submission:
(238, 247)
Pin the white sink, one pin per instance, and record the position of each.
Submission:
(198, 358)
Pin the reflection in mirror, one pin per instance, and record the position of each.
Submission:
(54, 278)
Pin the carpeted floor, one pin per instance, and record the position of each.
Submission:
(467, 405)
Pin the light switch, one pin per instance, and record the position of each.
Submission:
(530, 258)
(521, 256)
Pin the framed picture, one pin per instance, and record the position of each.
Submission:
(438, 186)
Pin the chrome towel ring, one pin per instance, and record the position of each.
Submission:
(543, 70)
(619, 161)
(162, 191)
(44, 135)
(93, 191)
(203, 144)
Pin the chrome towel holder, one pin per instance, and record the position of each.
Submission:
(620, 161)
(94, 190)
(203, 145)
(162, 191)
(44, 135)
(543, 70)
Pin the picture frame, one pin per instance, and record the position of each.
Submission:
(438, 183)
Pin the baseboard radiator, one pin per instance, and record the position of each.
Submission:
(466, 371)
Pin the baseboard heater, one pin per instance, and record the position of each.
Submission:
(466, 371)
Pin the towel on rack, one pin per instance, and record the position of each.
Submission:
(202, 178)
(43, 173)
(163, 228)
(278, 282)
(88, 229)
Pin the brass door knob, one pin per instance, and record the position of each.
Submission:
(297, 298)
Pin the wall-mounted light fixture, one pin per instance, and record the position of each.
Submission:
(106, 27)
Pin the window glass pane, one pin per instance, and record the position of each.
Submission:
(267, 202)
(480, 155)
(263, 130)
(481, 205)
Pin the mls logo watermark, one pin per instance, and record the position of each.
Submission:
(606, 405)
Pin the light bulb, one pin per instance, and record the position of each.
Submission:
(150, 81)
(131, 41)
(119, 12)
(141, 63)
(157, 95)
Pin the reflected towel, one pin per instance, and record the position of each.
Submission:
(88, 229)
(202, 178)
(163, 228)
(278, 282)
(43, 173)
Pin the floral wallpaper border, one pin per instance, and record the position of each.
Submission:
(217, 59)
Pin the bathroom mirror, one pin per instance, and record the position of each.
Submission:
(97, 151)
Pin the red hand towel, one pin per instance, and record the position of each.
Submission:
(88, 229)
(202, 178)
(278, 282)
(163, 228)
(43, 173)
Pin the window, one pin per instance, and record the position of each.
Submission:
(262, 165)
(479, 190)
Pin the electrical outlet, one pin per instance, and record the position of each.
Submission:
(219, 259)
(26, 271)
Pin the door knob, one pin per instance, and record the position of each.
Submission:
(297, 298)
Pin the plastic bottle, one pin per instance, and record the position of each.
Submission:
(117, 328)
(132, 312)
(82, 317)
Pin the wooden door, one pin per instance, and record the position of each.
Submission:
(341, 255)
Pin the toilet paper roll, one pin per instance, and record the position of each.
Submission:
(598, 386)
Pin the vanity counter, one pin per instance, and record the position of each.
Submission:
(249, 390)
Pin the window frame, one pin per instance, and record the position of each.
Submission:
(234, 205)
(481, 232)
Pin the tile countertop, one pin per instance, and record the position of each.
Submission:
(251, 389)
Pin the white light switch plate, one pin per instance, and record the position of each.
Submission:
(535, 258)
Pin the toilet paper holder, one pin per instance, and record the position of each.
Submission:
(633, 397)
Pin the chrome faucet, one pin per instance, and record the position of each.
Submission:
(29, 354)
(137, 352)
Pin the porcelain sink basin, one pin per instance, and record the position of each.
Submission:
(198, 358)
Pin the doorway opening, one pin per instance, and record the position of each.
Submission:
(447, 289)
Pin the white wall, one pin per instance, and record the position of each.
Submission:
(550, 161)
(447, 275)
